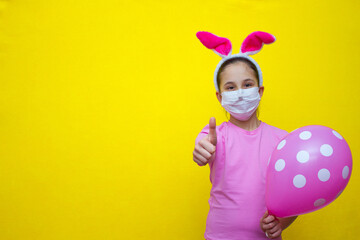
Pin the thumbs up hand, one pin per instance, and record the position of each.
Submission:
(205, 149)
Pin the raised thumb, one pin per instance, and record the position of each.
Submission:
(212, 131)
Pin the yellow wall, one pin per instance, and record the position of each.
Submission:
(101, 101)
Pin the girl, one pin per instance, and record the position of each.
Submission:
(238, 151)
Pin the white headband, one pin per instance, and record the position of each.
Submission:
(222, 47)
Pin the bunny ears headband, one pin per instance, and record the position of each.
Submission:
(222, 47)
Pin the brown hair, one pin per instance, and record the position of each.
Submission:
(234, 60)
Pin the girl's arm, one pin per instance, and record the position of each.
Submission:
(285, 222)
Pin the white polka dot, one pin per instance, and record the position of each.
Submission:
(319, 202)
(299, 181)
(337, 134)
(326, 150)
(345, 172)
(305, 135)
(303, 156)
(269, 160)
(323, 175)
(281, 144)
(279, 165)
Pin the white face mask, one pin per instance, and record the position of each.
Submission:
(242, 103)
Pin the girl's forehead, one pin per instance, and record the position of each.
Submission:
(237, 71)
(237, 67)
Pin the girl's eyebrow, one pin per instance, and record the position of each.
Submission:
(248, 79)
(228, 82)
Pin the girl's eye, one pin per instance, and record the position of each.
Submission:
(230, 88)
(248, 85)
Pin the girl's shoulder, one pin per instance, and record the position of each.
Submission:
(277, 132)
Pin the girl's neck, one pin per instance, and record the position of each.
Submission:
(251, 124)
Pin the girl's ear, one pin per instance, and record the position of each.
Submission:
(254, 42)
(261, 91)
(218, 95)
(220, 45)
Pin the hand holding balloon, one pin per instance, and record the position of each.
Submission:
(270, 225)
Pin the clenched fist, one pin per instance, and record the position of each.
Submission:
(270, 225)
(205, 149)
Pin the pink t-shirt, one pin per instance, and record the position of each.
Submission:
(237, 174)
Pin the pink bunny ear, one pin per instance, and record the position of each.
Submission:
(254, 42)
(220, 45)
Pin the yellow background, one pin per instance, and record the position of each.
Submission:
(101, 101)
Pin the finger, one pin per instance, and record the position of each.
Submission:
(265, 215)
(268, 235)
(199, 157)
(203, 152)
(212, 131)
(269, 219)
(262, 227)
(208, 146)
(275, 228)
(200, 163)
(276, 234)
(269, 225)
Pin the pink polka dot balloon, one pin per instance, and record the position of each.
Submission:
(309, 168)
